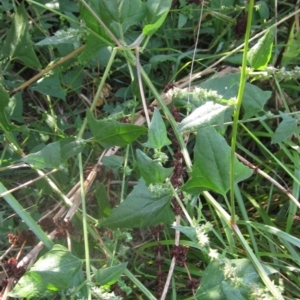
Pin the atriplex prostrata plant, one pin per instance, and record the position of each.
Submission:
(202, 160)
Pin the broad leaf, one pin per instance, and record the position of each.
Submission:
(209, 113)
(212, 164)
(48, 157)
(108, 276)
(55, 154)
(118, 15)
(18, 44)
(157, 12)
(50, 86)
(254, 98)
(151, 171)
(71, 147)
(57, 270)
(157, 135)
(113, 133)
(259, 55)
(286, 128)
(216, 286)
(141, 209)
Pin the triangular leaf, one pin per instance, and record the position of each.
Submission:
(71, 147)
(18, 44)
(157, 135)
(212, 164)
(108, 276)
(50, 85)
(286, 128)
(48, 157)
(141, 209)
(259, 55)
(113, 133)
(151, 171)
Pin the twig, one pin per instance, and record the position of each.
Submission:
(49, 68)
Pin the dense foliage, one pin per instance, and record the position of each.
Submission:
(149, 149)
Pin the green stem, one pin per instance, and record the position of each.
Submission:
(97, 96)
(237, 111)
(85, 225)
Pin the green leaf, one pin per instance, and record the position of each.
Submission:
(104, 208)
(53, 155)
(212, 164)
(141, 209)
(108, 276)
(113, 162)
(263, 9)
(15, 108)
(157, 135)
(48, 157)
(53, 272)
(118, 15)
(286, 129)
(4, 101)
(18, 44)
(50, 85)
(190, 232)
(292, 49)
(259, 55)
(215, 286)
(157, 12)
(151, 171)
(70, 147)
(254, 98)
(208, 114)
(112, 133)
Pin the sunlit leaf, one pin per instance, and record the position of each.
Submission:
(56, 270)
(259, 55)
(209, 113)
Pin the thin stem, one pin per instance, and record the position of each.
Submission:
(97, 96)
(85, 227)
(237, 111)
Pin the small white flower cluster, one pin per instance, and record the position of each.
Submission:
(203, 240)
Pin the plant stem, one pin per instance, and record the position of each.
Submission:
(85, 226)
(237, 111)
